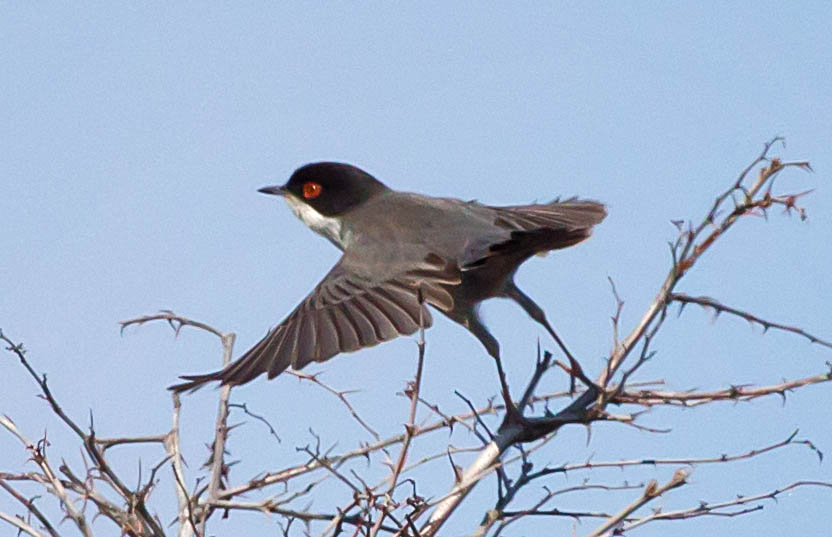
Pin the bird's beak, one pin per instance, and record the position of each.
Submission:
(274, 190)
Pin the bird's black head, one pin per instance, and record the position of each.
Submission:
(331, 188)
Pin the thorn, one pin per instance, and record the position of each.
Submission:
(538, 351)
(456, 469)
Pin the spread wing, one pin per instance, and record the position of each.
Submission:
(344, 313)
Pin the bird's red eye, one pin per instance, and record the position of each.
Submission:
(312, 190)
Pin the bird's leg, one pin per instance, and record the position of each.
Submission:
(536, 312)
(473, 323)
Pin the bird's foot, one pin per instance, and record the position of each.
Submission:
(513, 414)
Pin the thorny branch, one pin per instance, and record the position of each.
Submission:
(734, 393)
(217, 460)
(412, 392)
(718, 307)
(528, 474)
(719, 508)
(652, 491)
(340, 394)
(137, 519)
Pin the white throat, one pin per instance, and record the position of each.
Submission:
(327, 226)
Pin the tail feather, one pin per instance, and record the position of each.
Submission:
(536, 229)
(569, 214)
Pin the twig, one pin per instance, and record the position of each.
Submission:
(690, 250)
(185, 514)
(340, 394)
(107, 443)
(220, 435)
(20, 524)
(477, 420)
(707, 302)
(269, 507)
(247, 412)
(125, 520)
(176, 322)
(616, 317)
(690, 461)
(734, 393)
(489, 458)
(326, 464)
(508, 517)
(287, 474)
(30, 507)
(216, 461)
(136, 503)
(651, 492)
(713, 509)
(498, 513)
(540, 368)
(450, 450)
(57, 487)
(410, 428)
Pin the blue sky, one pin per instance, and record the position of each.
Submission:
(134, 138)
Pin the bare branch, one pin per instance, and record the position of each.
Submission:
(651, 492)
(690, 461)
(20, 524)
(270, 507)
(734, 393)
(176, 322)
(247, 412)
(217, 460)
(689, 248)
(410, 428)
(707, 302)
(30, 507)
(717, 509)
(508, 517)
(185, 514)
(57, 487)
(616, 317)
(107, 443)
(340, 394)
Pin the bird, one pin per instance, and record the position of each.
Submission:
(402, 252)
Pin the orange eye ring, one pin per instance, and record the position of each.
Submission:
(312, 190)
